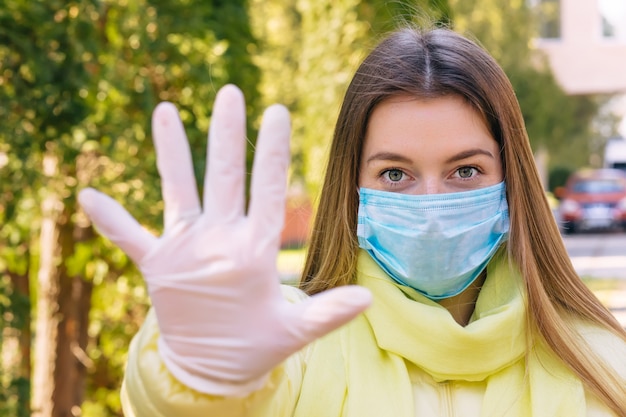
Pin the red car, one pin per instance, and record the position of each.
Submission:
(593, 199)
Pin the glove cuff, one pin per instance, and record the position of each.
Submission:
(194, 377)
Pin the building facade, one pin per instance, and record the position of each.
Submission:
(585, 43)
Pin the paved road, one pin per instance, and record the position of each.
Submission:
(598, 255)
(602, 256)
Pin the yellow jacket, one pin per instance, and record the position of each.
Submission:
(404, 357)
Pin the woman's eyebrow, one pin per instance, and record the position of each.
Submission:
(388, 156)
(469, 153)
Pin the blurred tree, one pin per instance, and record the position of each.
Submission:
(78, 82)
(41, 71)
(558, 177)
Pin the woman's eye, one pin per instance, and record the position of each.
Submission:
(466, 172)
(394, 175)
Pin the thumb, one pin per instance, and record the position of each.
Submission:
(115, 223)
(331, 309)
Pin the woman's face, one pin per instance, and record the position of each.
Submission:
(432, 146)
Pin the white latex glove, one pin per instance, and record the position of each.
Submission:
(212, 275)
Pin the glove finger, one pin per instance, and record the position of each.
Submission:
(178, 183)
(116, 224)
(269, 176)
(224, 181)
(328, 310)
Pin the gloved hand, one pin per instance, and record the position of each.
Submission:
(212, 275)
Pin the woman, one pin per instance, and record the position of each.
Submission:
(431, 204)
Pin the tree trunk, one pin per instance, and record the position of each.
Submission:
(21, 289)
(17, 339)
(72, 361)
(63, 304)
(47, 319)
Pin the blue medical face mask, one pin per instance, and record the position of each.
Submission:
(437, 244)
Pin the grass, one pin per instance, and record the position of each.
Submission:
(611, 292)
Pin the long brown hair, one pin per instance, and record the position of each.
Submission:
(434, 63)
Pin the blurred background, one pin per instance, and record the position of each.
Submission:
(79, 80)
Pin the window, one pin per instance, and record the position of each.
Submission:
(613, 18)
(548, 14)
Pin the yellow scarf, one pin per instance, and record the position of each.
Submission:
(360, 371)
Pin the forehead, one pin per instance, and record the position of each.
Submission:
(431, 125)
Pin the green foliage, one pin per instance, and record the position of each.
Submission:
(14, 388)
(10, 397)
(558, 177)
(41, 74)
(78, 83)
(119, 308)
(42, 71)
